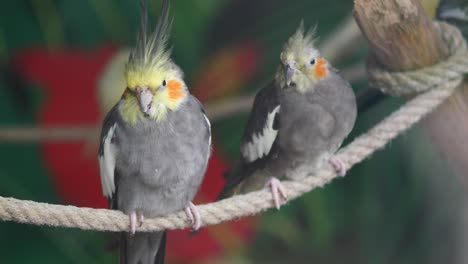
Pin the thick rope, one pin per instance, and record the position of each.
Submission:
(421, 80)
(248, 204)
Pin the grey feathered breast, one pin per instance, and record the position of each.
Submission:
(317, 122)
(160, 165)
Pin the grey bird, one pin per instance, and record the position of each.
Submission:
(297, 123)
(155, 144)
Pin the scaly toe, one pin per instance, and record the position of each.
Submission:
(194, 216)
(339, 165)
(141, 220)
(276, 189)
(133, 223)
(189, 214)
(197, 217)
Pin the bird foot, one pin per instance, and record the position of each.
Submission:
(141, 219)
(134, 220)
(194, 215)
(276, 190)
(133, 223)
(339, 165)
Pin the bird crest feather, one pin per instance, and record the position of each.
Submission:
(150, 54)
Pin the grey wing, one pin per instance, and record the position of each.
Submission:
(258, 141)
(262, 127)
(107, 153)
(207, 121)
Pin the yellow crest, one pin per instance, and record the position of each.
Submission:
(150, 56)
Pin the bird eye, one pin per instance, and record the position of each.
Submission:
(312, 62)
(164, 83)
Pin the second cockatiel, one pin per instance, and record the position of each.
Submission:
(155, 143)
(297, 123)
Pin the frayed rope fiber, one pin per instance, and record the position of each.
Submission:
(437, 82)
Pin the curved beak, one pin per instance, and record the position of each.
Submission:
(289, 70)
(145, 98)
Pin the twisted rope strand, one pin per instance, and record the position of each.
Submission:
(364, 146)
(421, 80)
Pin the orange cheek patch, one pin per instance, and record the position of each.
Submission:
(321, 68)
(175, 89)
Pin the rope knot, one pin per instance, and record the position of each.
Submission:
(417, 81)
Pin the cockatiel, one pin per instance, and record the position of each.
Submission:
(155, 143)
(297, 123)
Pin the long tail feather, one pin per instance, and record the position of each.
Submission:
(143, 248)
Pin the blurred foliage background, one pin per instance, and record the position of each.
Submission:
(403, 205)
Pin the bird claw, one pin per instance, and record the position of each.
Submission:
(339, 165)
(133, 223)
(277, 189)
(194, 215)
(141, 219)
(135, 220)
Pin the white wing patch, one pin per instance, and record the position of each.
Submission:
(209, 128)
(262, 142)
(107, 163)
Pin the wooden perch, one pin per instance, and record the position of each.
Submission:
(400, 33)
(402, 37)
